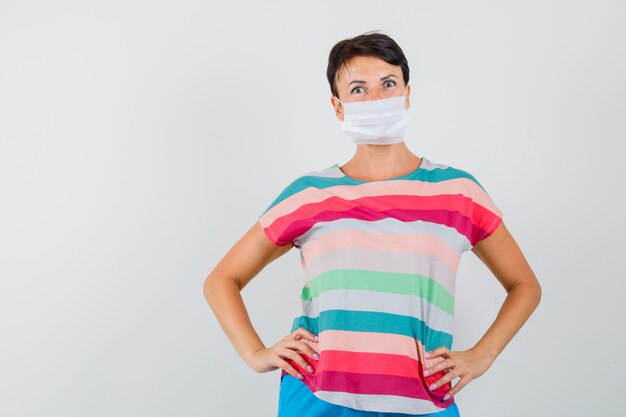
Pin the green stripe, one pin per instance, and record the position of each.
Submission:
(388, 282)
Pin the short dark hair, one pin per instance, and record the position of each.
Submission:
(366, 44)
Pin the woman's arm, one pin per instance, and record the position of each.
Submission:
(222, 290)
(501, 254)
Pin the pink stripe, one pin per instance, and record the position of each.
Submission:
(296, 224)
(376, 385)
(369, 342)
(384, 242)
(366, 363)
(369, 363)
(314, 195)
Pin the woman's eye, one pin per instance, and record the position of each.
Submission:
(357, 88)
(392, 82)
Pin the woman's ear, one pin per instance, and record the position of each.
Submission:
(338, 107)
(407, 102)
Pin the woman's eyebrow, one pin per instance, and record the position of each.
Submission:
(365, 82)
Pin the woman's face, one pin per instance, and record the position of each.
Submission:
(368, 78)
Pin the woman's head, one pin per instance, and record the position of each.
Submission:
(372, 53)
(369, 77)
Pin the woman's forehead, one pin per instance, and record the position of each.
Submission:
(366, 68)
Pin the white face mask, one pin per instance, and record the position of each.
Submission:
(378, 122)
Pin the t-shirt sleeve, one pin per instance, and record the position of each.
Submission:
(486, 216)
(281, 219)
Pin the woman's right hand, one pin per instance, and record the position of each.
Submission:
(289, 347)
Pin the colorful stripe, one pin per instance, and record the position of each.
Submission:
(380, 260)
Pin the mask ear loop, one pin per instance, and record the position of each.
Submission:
(342, 105)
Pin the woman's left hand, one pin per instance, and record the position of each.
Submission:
(467, 364)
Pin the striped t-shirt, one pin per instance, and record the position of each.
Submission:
(380, 261)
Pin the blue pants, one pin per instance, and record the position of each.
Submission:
(296, 400)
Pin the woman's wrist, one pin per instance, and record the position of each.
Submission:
(486, 351)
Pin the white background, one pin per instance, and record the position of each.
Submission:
(140, 139)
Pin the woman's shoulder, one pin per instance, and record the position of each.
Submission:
(319, 178)
(314, 178)
(468, 185)
(295, 187)
(449, 171)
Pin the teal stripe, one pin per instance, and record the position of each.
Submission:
(309, 323)
(371, 321)
(424, 175)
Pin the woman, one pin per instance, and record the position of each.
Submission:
(380, 239)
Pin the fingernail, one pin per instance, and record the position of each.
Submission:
(300, 376)
(433, 386)
(316, 356)
(426, 372)
(445, 397)
(316, 337)
(426, 355)
(310, 368)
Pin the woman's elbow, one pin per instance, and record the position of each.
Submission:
(534, 291)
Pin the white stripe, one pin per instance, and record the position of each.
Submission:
(379, 403)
